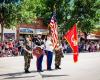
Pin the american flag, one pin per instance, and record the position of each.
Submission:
(54, 31)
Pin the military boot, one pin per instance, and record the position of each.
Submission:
(27, 71)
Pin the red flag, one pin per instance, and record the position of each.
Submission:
(72, 38)
(54, 32)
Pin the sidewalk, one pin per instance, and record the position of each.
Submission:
(87, 68)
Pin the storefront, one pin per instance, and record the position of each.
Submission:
(23, 29)
(9, 34)
(32, 29)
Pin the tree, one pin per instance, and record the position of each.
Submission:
(7, 15)
(69, 12)
(9, 1)
(15, 12)
(97, 7)
(85, 11)
(51, 6)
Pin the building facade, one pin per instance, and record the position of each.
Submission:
(23, 29)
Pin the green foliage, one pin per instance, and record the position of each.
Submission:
(50, 6)
(26, 12)
(68, 12)
(97, 8)
(85, 12)
(8, 14)
(9, 1)
(12, 14)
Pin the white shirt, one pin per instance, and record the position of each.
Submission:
(49, 46)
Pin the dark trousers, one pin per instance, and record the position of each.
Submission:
(39, 63)
(49, 55)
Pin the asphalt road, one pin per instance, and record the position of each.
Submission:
(87, 68)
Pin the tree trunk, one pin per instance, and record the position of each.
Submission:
(2, 23)
(2, 27)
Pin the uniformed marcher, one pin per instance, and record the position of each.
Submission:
(58, 56)
(27, 47)
(38, 45)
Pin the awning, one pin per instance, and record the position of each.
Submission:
(92, 37)
(25, 31)
(41, 31)
(33, 31)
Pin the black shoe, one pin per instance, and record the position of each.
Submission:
(39, 71)
(26, 71)
(49, 69)
(62, 56)
(56, 68)
(59, 68)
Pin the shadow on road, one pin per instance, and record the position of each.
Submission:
(46, 76)
(16, 74)
(14, 77)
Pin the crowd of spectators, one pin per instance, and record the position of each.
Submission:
(13, 48)
(8, 48)
(89, 46)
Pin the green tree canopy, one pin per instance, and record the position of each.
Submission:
(69, 12)
(14, 12)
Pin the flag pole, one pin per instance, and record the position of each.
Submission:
(54, 14)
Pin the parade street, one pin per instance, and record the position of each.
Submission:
(87, 68)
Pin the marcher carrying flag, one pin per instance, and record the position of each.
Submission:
(72, 38)
(54, 31)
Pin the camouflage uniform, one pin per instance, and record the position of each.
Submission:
(58, 56)
(27, 58)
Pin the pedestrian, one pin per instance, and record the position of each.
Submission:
(49, 52)
(27, 47)
(58, 56)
